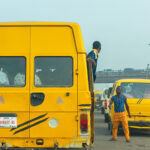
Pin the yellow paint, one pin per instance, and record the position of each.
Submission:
(46, 39)
(139, 112)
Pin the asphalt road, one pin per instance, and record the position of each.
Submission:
(140, 139)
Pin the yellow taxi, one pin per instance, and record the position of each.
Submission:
(137, 92)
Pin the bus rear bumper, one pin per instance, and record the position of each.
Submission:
(47, 142)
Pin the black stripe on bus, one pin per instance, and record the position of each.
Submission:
(84, 105)
(139, 101)
(20, 125)
(32, 125)
(85, 109)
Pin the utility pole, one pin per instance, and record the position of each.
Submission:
(147, 71)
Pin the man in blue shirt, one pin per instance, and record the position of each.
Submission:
(93, 56)
(119, 115)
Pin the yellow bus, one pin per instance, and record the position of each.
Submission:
(46, 92)
(137, 92)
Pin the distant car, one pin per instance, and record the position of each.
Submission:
(106, 103)
(104, 100)
(137, 92)
(97, 99)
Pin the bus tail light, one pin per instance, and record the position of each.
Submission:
(84, 123)
(105, 104)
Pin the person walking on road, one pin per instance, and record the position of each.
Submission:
(120, 115)
(93, 56)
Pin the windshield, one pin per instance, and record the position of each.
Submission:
(98, 96)
(136, 90)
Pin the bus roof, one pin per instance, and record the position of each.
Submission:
(37, 23)
(74, 26)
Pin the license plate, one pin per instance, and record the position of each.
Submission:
(8, 122)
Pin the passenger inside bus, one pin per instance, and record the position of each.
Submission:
(12, 73)
(3, 78)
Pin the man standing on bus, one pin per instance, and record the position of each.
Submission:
(119, 115)
(93, 56)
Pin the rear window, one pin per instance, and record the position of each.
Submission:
(53, 71)
(98, 96)
(12, 71)
(136, 90)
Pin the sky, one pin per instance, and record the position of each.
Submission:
(122, 26)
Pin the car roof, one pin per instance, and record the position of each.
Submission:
(134, 80)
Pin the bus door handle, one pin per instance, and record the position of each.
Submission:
(37, 98)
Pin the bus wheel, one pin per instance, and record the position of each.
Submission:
(90, 147)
